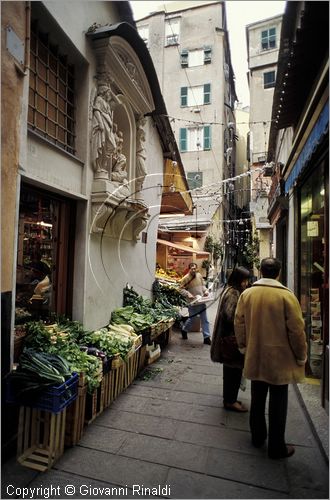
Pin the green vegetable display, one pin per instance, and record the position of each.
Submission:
(37, 371)
(54, 340)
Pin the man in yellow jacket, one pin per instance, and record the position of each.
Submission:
(269, 328)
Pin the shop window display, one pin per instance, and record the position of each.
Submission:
(35, 257)
(313, 268)
(45, 252)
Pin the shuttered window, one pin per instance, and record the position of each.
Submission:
(183, 139)
(207, 93)
(207, 137)
(184, 96)
(195, 138)
(195, 96)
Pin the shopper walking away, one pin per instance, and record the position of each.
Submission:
(224, 327)
(193, 288)
(269, 328)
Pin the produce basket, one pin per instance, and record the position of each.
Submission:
(53, 399)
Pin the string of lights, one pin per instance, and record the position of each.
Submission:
(218, 184)
(175, 118)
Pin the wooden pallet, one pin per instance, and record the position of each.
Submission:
(40, 440)
(75, 415)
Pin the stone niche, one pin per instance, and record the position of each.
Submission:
(121, 97)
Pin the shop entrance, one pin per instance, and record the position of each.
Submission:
(314, 285)
(44, 256)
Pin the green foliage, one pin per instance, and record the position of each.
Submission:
(208, 245)
(217, 251)
(251, 252)
(214, 247)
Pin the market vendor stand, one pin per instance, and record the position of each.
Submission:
(139, 332)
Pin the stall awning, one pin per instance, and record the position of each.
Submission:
(198, 253)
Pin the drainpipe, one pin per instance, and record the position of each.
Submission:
(27, 36)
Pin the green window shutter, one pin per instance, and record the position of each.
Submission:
(183, 139)
(207, 54)
(184, 96)
(207, 137)
(207, 93)
(184, 57)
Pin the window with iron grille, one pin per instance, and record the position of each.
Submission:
(51, 92)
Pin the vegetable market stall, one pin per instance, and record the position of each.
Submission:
(91, 368)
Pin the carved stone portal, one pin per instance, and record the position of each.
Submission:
(118, 208)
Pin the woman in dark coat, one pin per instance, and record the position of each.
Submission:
(223, 327)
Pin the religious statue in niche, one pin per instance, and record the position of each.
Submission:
(119, 166)
(141, 170)
(103, 137)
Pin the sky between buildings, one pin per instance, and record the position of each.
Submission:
(239, 14)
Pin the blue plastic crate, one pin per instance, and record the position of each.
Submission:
(53, 399)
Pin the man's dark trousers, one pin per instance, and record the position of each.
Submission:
(277, 411)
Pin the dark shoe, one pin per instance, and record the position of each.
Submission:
(207, 340)
(258, 443)
(289, 452)
(238, 407)
(184, 334)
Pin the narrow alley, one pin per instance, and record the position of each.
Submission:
(169, 431)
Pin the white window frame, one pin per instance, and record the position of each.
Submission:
(268, 38)
(172, 31)
(195, 58)
(195, 140)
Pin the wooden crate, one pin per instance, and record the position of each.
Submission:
(141, 358)
(94, 404)
(131, 367)
(107, 393)
(118, 381)
(40, 440)
(75, 415)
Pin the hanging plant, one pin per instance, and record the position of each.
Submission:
(217, 251)
(209, 244)
(251, 252)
